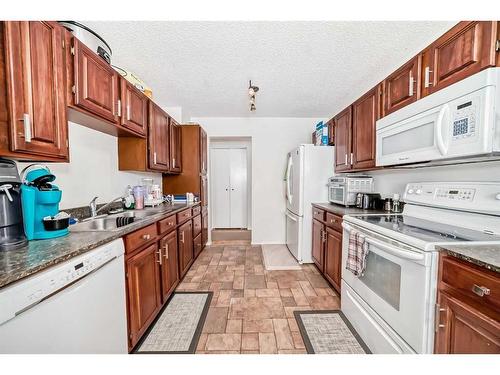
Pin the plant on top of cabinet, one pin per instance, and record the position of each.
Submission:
(33, 122)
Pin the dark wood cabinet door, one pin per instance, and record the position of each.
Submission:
(464, 50)
(175, 147)
(196, 225)
(331, 132)
(143, 291)
(185, 247)
(203, 151)
(158, 139)
(96, 83)
(35, 63)
(333, 257)
(197, 245)
(403, 86)
(133, 108)
(169, 266)
(343, 124)
(365, 112)
(318, 244)
(464, 330)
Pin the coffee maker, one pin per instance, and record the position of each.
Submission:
(40, 201)
(11, 218)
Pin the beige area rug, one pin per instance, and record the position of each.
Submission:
(278, 257)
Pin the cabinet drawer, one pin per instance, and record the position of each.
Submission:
(140, 237)
(196, 210)
(334, 221)
(166, 225)
(318, 214)
(471, 281)
(183, 215)
(196, 225)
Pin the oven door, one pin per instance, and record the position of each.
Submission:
(336, 193)
(396, 284)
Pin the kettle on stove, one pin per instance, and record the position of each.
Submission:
(40, 201)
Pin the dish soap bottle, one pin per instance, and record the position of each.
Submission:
(129, 201)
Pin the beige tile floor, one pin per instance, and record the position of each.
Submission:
(252, 308)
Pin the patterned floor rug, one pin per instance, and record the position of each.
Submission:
(179, 326)
(329, 332)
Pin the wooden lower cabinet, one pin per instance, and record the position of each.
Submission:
(333, 257)
(143, 291)
(169, 269)
(204, 226)
(185, 241)
(467, 313)
(197, 245)
(318, 243)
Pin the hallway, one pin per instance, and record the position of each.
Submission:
(252, 309)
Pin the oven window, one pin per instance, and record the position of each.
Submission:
(337, 194)
(412, 139)
(383, 277)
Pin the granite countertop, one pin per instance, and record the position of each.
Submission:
(487, 256)
(342, 210)
(41, 254)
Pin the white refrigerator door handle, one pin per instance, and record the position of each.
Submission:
(291, 217)
(288, 189)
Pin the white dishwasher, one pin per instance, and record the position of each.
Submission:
(74, 307)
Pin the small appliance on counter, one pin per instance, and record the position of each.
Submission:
(40, 204)
(343, 190)
(11, 221)
(369, 201)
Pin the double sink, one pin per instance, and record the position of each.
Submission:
(110, 222)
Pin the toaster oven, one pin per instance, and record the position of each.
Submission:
(343, 189)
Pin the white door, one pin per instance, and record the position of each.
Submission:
(229, 170)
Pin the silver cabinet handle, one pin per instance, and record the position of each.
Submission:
(27, 128)
(352, 157)
(427, 77)
(119, 108)
(410, 89)
(146, 236)
(481, 291)
(437, 317)
(128, 112)
(345, 161)
(154, 157)
(173, 162)
(166, 250)
(159, 257)
(182, 235)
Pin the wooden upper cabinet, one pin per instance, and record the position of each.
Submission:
(403, 86)
(343, 123)
(365, 112)
(158, 140)
(143, 291)
(331, 132)
(133, 109)
(175, 147)
(35, 69)
(203, 151)
(467, 48)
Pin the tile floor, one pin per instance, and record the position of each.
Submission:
(252, 308)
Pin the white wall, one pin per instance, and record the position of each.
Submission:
(272, 138)
(92, 170)
(394, 181)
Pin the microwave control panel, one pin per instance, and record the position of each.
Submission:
(464, 119)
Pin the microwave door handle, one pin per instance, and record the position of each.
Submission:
(443, 149)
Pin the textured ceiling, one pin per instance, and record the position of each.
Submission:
(303, 69)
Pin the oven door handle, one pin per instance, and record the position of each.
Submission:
(393, 250)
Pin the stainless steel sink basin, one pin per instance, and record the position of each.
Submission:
(98, 225)
(138, 213)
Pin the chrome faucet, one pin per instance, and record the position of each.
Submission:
(94, 211)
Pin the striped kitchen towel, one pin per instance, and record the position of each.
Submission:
(356, 253)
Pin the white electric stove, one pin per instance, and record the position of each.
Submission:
(392, 304)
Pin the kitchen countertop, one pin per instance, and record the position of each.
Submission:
(487, 256)
(342, 210)
(41, 254)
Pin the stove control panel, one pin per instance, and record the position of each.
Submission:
(467, 196)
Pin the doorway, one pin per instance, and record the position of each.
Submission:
(230, 183)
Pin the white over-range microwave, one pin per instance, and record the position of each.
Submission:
(458, 122)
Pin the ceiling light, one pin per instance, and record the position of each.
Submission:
(252, 90)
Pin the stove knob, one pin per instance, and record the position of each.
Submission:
(419, 191)
(410, 191)
(497, 197)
